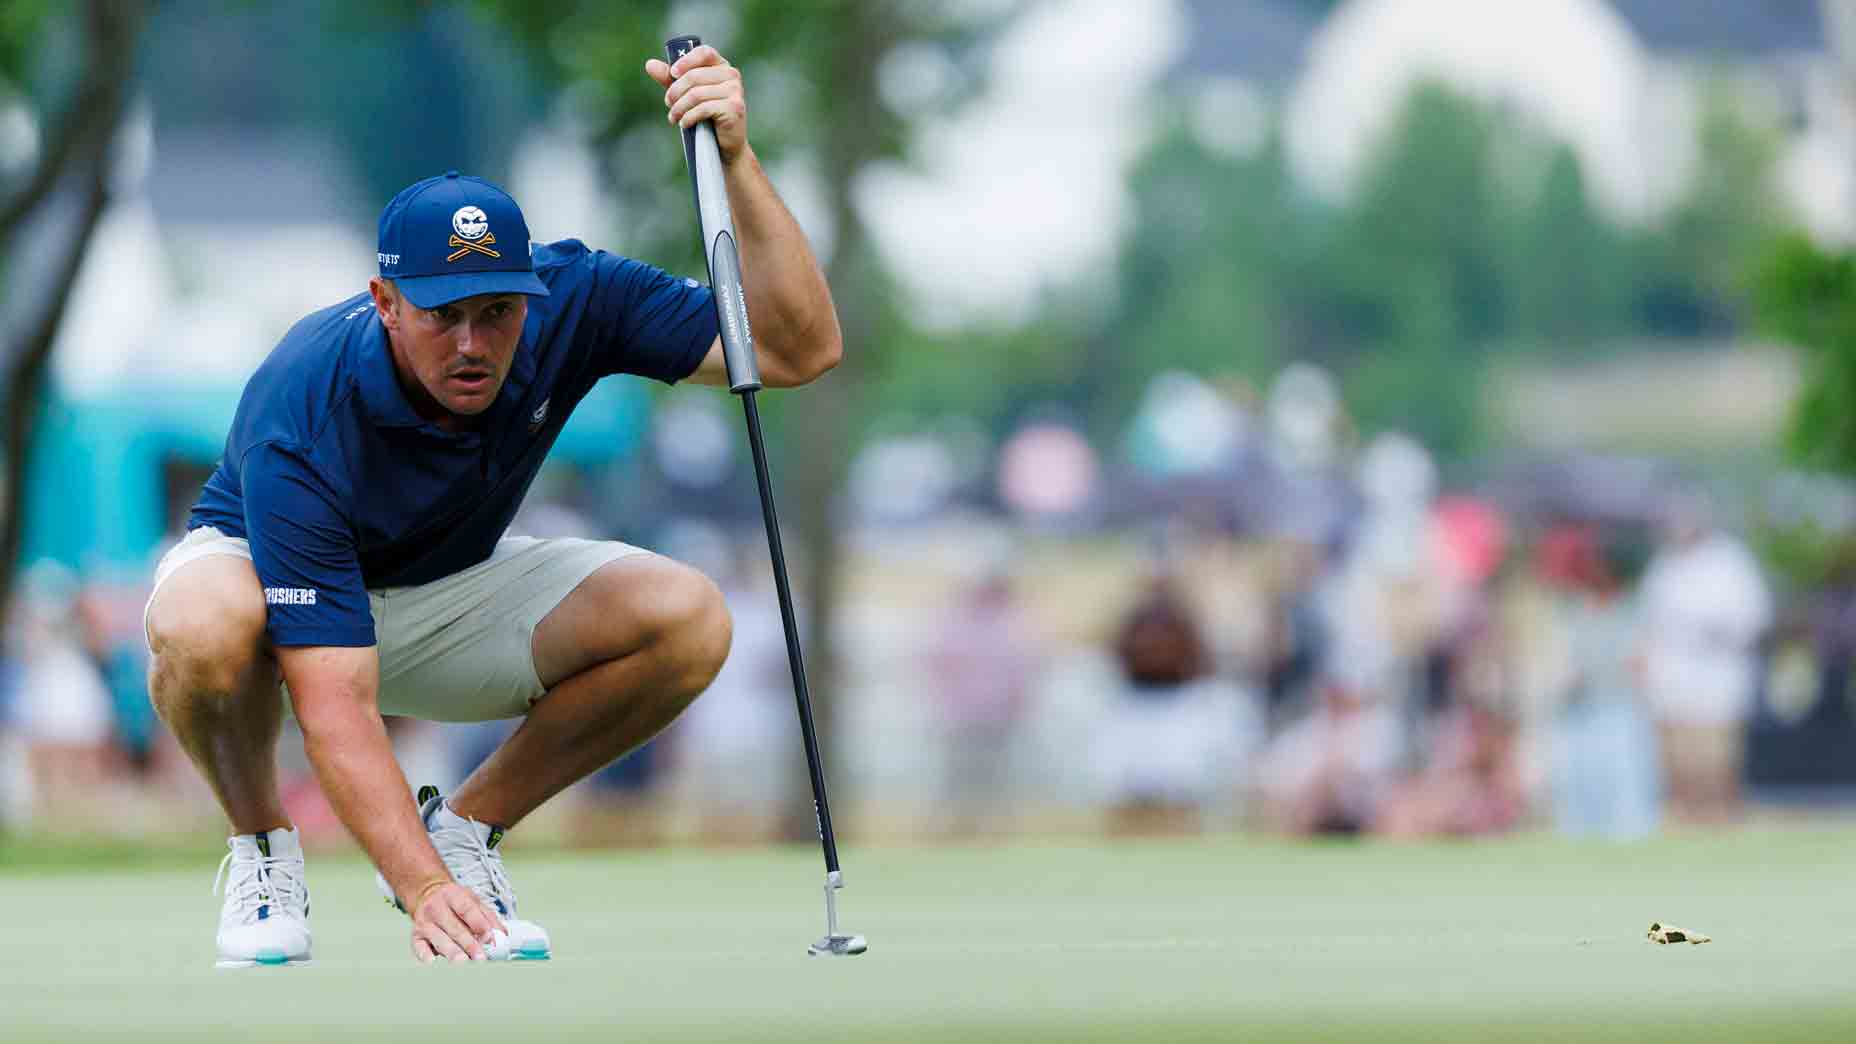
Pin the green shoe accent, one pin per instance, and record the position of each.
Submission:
(271, 958)
(529, 955)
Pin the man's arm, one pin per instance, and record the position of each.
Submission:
(334, 692)
(796, 335)
(303, 548)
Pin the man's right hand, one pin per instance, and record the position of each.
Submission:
(333, 689)
(449, 921)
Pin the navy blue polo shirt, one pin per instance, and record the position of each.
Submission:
(340, 486)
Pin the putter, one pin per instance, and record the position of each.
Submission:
(731, 304)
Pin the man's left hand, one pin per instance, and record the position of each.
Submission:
(703, 86)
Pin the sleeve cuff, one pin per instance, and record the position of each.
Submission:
(692, 358)
(299, 637)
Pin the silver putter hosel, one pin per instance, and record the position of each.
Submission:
(704, 159)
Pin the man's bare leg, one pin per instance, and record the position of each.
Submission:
(622, 655)
(214, 682)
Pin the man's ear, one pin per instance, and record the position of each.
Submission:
(386, 301)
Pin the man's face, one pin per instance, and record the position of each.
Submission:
(452, 359)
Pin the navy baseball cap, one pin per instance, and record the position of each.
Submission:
(455, 236)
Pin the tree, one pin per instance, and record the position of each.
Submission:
(1210, 274)
(1808, 296)
(1569, 270)
(1469, 235)
(1418, 251)
(55, 204)
(1697, 259)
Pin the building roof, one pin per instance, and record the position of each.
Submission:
(1262, 41)
(1726, 27)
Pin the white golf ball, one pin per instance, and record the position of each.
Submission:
(498, 950)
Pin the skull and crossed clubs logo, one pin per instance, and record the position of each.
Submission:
(471, 234)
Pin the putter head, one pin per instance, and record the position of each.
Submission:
(838, 946)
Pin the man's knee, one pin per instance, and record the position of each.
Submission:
(689, 616)
(206, 629)
(638, 605)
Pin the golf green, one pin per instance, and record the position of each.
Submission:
(1533, 938)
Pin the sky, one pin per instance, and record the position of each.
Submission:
(1023, 188)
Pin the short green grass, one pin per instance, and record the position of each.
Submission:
(1216, 939)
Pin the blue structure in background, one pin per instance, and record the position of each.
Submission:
(97, 498)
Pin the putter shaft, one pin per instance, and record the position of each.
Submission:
(821, 806)
(701, 152)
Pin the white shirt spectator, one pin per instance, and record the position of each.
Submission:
(61, 698)
(1705, 608)
(1180, 748)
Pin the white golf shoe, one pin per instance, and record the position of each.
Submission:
(469, 851)
(265, 919)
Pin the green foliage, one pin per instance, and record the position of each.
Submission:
(1569, 271)
(1468, 236)
(1229, 269)
(1416, 247)
(1697, 261)
(1808, 296)
(23, 25)
(987, 375)
(1804, 555)
(1210, 272)
(1424, 391)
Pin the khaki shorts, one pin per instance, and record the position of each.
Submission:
(459, 648)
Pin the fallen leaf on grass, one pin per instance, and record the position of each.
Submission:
(1664, 934)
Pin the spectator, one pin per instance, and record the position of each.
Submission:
(1175, 734)
(1296, 627)
(1327, 772)
(1470, 784)
(1468, 540)
(1604, 747)
(981, 664)
(61, 705)
(112, 639)
(1705, 609)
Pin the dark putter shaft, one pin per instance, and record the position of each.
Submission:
(814, 762)
(719, 253)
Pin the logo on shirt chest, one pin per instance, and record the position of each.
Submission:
(539, 417)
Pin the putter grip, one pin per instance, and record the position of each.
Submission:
(704, 160)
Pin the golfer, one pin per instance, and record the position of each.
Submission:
(350, 544)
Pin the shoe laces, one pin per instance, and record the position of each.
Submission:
(477, 867)
(258, 881)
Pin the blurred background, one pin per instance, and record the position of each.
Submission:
(1407, 417)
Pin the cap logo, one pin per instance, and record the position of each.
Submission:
(470, 222)
(471, 234)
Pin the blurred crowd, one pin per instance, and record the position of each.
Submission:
(1241, 617)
